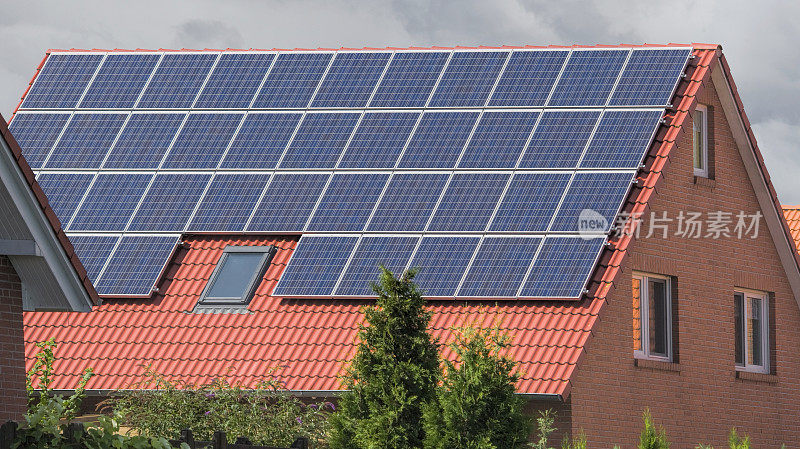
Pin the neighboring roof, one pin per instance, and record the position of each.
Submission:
(49, 268)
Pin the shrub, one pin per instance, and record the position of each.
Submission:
(652, 437)
(544, 429)
(578, 442)
(477, 407)
(393, 374)
(737, 442)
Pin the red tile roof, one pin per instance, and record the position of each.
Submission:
(792, 215)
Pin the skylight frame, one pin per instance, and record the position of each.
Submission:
(267, 253)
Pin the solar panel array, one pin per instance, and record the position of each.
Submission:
(472, 165)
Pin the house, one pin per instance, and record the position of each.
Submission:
(232, 206)
(38, 268)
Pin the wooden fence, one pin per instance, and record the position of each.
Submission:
(8, 433)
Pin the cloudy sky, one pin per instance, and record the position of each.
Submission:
(759, 39)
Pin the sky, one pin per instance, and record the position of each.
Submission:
(758, 38)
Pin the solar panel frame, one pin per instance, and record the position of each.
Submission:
(563, 291)
(522, 202)
(572, 204)
(93, 251)
(343, 206)
(362, 149)
(162, 208)
(554, 62)
(137, 155)
(102, 208)
(452, 214)
(72, 185)
(219, 84)
(290, 220)
(485, 268)
(358, 273)
(449, 96)
(172, 95)
(446, 282)
(319, 280)
(36, 154)
(317, 144)
(146, 280)
(448, 139)
(335, 92)
(255, 153)
(408, 208)
(107, 90)
(392, 93)
(619, 130)
(71, 151)
(627, 94)
(194, 147)
(64, 100)
(216, 211)
(307, 88)
(595, 89)
(515, 129)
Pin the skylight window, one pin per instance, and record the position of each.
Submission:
(237, 275)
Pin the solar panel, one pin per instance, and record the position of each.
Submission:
(408, 201)
(468, 79)
(530, 202)
(86, 141)
(379, 140)
(136, 265)
(169, 202)
(36, 134)
(320, 140)
(621, 139)
(288, 202)
(229, 202)
(372, 252)
(350, 80)
(528, 78)
(499, 267)
(588, 77)
(234, 81)
(468, 202)
(292, 80)
(93, 251)
(562, 267)
(438, 140)
(442, 262)
(650, 77)
(499, 139)
(601, 193)
(144, 140)
(559, 139)
(64, 191)
(62, 81)
(315, 266)
(261, 141)
(110, 203)
(177, 80)
(202, 141)
(409, 79)
(348, 202)
(120, 81)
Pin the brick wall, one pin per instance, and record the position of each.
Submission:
(700, 398)
(12, 363)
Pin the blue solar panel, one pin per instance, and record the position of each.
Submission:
(371, 252)
(559, 139)
(86, 141)
(93, 251)
(530, 202)
(261, 141)
(499, 267)
(621, 139)
(588, 78)
(408, 202)
(562, 267)
(169, 202)
(528, 78)
(202, 141)
(62, 81)
(499, 139)
(110, 202)
(36, 134)
(229, 202)
(348, 201)
(649, 77)
(601, 193)
(288, 202)
(468, 202)
(292, 80)
(64, 191)
(409, 80)
(315, 266)
(144, 141)
(442, 262)
(320, 140)
(235, 80)
(120, 81)
(177, 80)
(379, 140)
(468, 79)
(438, 140)
(350, 80)
(136, 265)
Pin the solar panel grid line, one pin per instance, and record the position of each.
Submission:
(347, 263)
(472, 259)
(408, 140)
(114, 143)
(530, 136)
(199, 202)
(86, 89)
(149, 79)
(499, 202)
(258, 202)
(496, 82)
(378, 83)
(558, 78)
(172, 143)
(291, 139)
(141, 200)
(232, 139)
(263, 80)
(530, 268)
(349, 139)
(378, 201)
(469, 138)
(439, 80)
(413, 253)
(102, 270)
(55, 142)
(619, 77)
(319, 83)
(205, 81)
(438, 202)
(101, 132)
(319, 200)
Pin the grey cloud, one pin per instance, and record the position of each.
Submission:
(208, 34)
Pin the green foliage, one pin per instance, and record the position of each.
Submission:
(738, 442)
(578, 442)
(393, 374)
(652, 437)
(545, 428)
(477, 406)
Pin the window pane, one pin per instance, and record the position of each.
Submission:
(739, 324)
(637, 314)
(657, 293)
(754, 332)
(697, 135)
(235, 275)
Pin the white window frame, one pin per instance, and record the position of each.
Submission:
(765, 328)
(644, 314)
(701, 172)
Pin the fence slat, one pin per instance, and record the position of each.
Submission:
(220, 441)
(8, 433)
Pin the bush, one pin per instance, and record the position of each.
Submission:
(477, 406)
(393, 374)
(652, 437)
(578, 442)
(737, 442)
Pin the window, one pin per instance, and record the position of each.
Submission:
(652, 317)
(237, 275)
(751, 319)
(700, 141)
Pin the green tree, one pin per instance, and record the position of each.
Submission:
(393, 374)
(652, 436)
